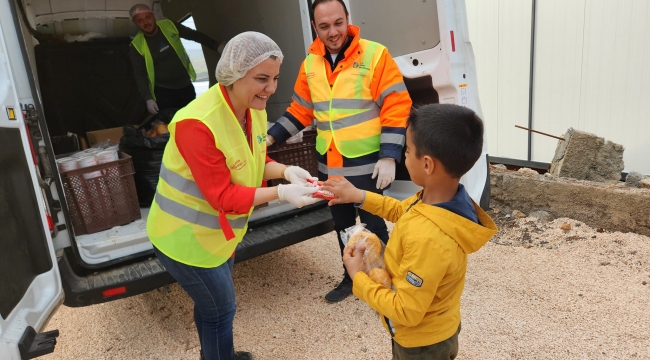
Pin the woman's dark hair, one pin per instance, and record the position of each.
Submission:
(450, 133)
(318, 2)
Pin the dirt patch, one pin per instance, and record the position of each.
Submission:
(534, 292)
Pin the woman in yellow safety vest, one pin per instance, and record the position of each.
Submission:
(210, 180)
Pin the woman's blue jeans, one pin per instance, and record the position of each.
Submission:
(213, 293)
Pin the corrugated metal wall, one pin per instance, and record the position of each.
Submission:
(592, 63)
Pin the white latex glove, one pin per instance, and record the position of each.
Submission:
(297, 195)
(152, 107)
(297, 175)
(384, 172)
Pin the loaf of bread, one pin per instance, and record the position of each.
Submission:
(380, 276)
(372, 244)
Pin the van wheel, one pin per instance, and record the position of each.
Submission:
(487, 189)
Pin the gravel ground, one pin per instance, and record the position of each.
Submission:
(535, 291)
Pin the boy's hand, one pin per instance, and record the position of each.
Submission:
(344, 191)
(353, 264)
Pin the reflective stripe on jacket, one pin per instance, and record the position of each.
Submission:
(181, 223)
(171, 34)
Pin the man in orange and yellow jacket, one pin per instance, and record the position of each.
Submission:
(354, 92)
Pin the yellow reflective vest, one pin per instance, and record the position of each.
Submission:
(171, 34)
(181, 223)
(346, 112)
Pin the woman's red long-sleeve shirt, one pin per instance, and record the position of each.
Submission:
(196, 144)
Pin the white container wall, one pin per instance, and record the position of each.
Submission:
(500, 31)
(592, 63)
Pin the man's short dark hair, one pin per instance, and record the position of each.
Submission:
(450, 133)
(318, 2)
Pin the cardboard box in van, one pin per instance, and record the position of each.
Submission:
(112, 134)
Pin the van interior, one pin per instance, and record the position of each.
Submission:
(88, 85)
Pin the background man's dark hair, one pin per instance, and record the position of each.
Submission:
(318, 2)
(450, 133)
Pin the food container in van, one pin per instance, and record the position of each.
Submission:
(67, 164)
(88, 161)
(79, 155)
(104, 157)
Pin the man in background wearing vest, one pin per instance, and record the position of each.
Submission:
(355, 92)
(163, 71)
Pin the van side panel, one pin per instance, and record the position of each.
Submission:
(23, 245)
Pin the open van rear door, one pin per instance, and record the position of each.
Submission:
(30, 284)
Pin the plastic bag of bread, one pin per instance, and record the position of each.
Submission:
(373, 257)
(359, 235)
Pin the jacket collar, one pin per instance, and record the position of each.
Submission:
(318, 48)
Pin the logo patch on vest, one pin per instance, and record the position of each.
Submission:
(311, 75)
(163, 47)
(413, 279)
(260, 139)
(238, 165)
(360, 65)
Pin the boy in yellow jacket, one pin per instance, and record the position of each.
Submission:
(434, 231)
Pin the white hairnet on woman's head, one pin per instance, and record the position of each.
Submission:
(242, 53)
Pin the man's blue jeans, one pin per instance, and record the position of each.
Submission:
(213, 293)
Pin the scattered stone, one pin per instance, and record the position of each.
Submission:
(645, 283)
(600, 230)
(528, 246)
(496, 211)
(507, 215)
(585, 156)
(518, 214)
(604, 263)
(620, 184)
(566, 227)
(542, 216)
(363, 349)
(644, 184)
(634, 178)
(527, 172)
(500, 166)
(593, 236)
(548, 175)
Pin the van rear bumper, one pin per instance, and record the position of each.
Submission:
(146, 274)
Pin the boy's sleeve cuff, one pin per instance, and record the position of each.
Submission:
(358, 205)
(371, 201)
(358, 283)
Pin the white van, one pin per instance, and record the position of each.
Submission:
(42, 262)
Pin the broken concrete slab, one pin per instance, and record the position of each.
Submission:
(644, 184)
(596, 204)
(634, 178)
(585, 156)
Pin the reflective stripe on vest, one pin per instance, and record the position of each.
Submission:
(181, 223)
(170, 32)
(346, 112)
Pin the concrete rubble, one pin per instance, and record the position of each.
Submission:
(599, 205)
(634, 178)
(585, 156)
